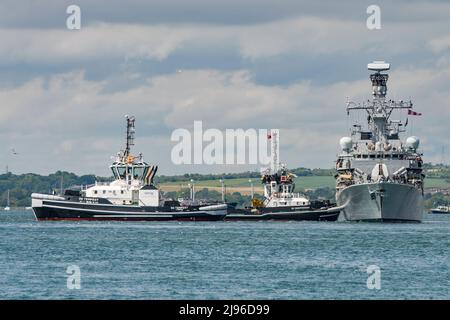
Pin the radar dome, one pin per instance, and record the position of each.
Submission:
(346, 143)
(412, 142)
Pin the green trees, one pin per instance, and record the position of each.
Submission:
(22, 186)
(437, 199)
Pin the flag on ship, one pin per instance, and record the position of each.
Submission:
(414, 113)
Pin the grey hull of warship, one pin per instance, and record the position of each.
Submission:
(387, 202)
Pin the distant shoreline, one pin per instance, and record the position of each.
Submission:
(21, 186)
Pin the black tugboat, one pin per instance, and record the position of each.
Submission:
(132, 196)
(281, 202)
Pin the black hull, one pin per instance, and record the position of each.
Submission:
(313, 215)
(82, 211)
(66, 209)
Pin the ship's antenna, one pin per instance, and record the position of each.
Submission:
(378, 79)
(130, 134)
(275, 150)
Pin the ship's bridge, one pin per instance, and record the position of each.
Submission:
(131, 170)
(124, 171)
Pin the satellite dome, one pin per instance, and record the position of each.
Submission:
(346, 143)
(412, 142)
(378, 146)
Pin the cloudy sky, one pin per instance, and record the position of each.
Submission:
(286, 64)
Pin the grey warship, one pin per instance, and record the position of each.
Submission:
(379, 176)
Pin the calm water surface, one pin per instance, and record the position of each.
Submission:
(223, 260)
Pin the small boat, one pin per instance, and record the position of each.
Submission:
(440, 210)
(132, 196)
(7, 208)
(280, 201)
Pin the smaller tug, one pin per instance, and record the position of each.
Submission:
(280, 200)
(131, 196)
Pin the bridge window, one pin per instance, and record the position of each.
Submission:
(122, 171)
(138, 172)
(115, 174)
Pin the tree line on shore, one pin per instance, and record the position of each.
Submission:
(22, 186)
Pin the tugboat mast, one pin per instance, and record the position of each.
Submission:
(274, 137)
(130, 135)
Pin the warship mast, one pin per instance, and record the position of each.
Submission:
(379, 110)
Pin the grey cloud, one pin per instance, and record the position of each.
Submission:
(319, 42)
(309, 36)
(72, 119)
(257, 64)
(51, 14)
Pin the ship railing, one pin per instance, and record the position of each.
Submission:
(86, 186)
(290, 195)
(371, 105)
(100, 183)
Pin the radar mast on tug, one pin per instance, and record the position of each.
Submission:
(281, 202)
(131, 169)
